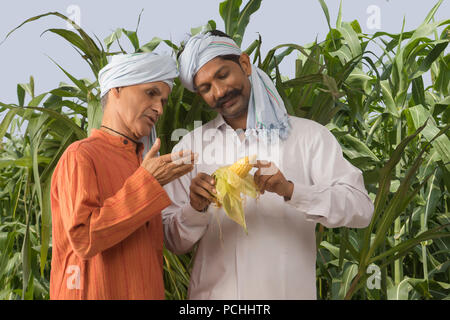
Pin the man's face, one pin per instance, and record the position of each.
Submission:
(224, 85)
(140, 106)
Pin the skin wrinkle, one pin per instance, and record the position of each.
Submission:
(148, 101)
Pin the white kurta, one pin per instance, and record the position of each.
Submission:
(277, 259)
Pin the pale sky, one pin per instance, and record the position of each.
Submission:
(26, 53)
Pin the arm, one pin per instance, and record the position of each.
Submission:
(183, 225)
(92, 226)
(337, 196)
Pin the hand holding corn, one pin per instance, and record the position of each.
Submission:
(269, 178)
(226, 184)
(202, 191)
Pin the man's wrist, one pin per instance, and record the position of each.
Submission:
(289, 191)
(202, 210)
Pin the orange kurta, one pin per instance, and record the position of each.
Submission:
(107, 226)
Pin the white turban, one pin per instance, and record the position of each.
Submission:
(136, 68)
(266, 110)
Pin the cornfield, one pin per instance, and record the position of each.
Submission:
(388, 123)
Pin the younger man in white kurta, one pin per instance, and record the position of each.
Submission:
(277, 258)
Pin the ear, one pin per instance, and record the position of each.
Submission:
(244, 60)
(115, 92)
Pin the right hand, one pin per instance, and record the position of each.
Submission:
(201, 191)
(170, 166)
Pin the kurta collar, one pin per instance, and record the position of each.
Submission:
(117, 141)
(219, 122)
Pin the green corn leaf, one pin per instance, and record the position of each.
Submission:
(115, 36)
(351, 39)
(46, 220)
(326, 12)
(430, 58)
(71, 37)
(339, 17)
(419, 115)
(391, 106)
(350, 272)
(244, 18)
(26, 260)
(405, 246)
(400, 291)
(6, 122)
(229, 11)
(57, 116)
(152, 45)
(20, 95)
(418, 91)
(95, 114)
(80, 84)
(432, 12)
(383, 191)
(359, 147)
(132, 36)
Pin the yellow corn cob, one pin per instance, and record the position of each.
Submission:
(242, 167)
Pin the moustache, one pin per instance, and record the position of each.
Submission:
(227, 97)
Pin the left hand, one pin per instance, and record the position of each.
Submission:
(269, 178)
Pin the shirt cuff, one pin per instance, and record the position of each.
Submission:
(304, 199)
(192, 217)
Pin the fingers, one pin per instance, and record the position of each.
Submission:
(257, 177)
(266, 167)
(182, 166)
(264, 183)
(207, 178)
(181, 170)
(202, 193)
(261, 180)
(176, 156)
(154, 149)
(203, 186)
(190, 158)
(266, 171)
(171, 172)
(206, 185)
(262, 164)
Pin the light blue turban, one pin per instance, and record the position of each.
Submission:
(138, 68)
(266, 110)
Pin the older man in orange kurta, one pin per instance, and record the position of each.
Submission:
(107, 199)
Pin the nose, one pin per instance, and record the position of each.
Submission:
(158, 107)
(219, 90)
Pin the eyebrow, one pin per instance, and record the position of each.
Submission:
(158, 92)
(215, 75)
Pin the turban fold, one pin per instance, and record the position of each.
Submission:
(266, 110)
(138, 68)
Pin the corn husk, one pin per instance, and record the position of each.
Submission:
(231, 188)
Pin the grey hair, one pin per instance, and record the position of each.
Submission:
(104, 101)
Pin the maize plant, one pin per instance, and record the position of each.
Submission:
(388, 122)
